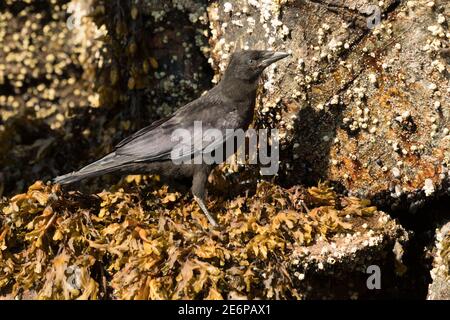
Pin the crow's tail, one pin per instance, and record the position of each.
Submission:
(108, 164)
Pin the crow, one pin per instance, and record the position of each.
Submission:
(229, 105)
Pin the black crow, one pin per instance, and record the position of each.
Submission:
(229, 105)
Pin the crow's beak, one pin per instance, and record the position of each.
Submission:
(272, 56)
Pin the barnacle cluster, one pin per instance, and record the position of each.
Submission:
(46, 76)
(38, 62)
(78, 76)
(142, 240)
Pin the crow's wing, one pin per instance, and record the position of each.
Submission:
(143, 131)
(157, 141)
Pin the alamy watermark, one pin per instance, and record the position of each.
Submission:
(74, 279)
(374, 280)
(209, 146)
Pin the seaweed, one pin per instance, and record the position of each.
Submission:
(143, 240)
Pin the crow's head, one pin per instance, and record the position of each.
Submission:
(249, 64)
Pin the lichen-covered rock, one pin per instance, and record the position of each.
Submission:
(439, 289)
(362, 104)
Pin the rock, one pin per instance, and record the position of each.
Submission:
(357, 99)
(340, 268)
(439, 289)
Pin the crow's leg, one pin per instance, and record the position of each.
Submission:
(202, 206)
(199, 190)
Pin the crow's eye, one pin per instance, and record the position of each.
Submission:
(251, 61)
